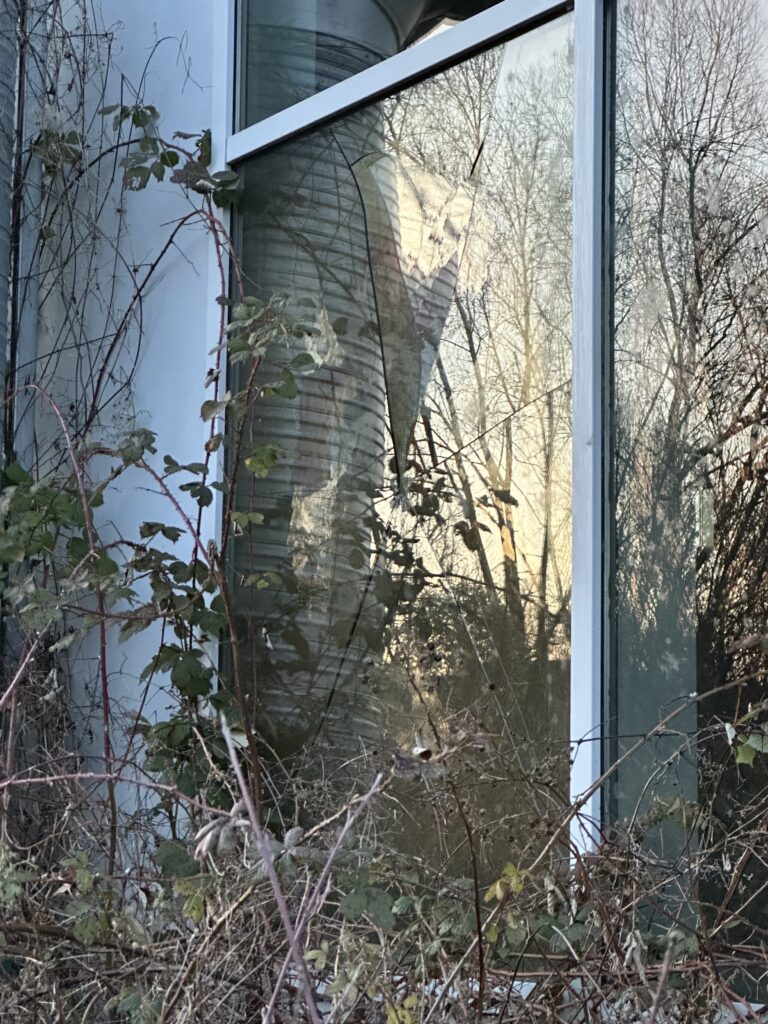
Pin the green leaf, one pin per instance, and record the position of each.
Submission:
(262, 580)
(226, 177)
(157, 763)
(194, 907)
(304, 361)
(211, 408)
(248, 518)
(288, 388)
(204, 147)
(745, 754)
(92, 929)
(174, 861)
(353, 904)
(141, 117)
(136, 178)
(16, 474)
(370, 902)
(403, 904)
(261, 459)
(78, 548)
(202, 494)
(136, 445)
(151, 529)
(757, 740)
(106, 566)
(61, 645)
(189, 676)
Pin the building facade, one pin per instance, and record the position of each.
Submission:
(510, 439)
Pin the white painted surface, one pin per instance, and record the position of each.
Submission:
(587, 604)
(166, 51)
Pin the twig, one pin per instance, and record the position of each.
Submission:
(269, 863)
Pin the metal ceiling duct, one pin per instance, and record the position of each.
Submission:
(295, 48)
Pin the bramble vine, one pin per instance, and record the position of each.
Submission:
(182, 873)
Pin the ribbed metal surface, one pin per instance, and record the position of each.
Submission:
(295, 48)
(305, 234)
(321, 223)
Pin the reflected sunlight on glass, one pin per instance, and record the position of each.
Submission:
(412, 573)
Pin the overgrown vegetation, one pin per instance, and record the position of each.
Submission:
(179, 872)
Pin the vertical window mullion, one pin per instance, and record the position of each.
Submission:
(587, 598)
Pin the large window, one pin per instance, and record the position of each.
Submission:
(408, 591)
(509, 490)
(690, 414)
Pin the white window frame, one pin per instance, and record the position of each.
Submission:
(506, 19)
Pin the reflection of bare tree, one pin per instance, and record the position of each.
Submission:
(497, 419)
(424, 590)
(690, 374)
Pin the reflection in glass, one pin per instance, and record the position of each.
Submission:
(292, 49)
(691, 387)
(408, 591)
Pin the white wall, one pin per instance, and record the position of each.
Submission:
(166, 50)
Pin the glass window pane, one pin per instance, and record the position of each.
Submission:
(291, 49)
(408, 592)
(690, 432)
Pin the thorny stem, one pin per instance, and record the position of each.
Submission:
(292, 934)
(102, 623)
(219, 577)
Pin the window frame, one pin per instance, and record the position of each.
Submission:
(507, 19)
